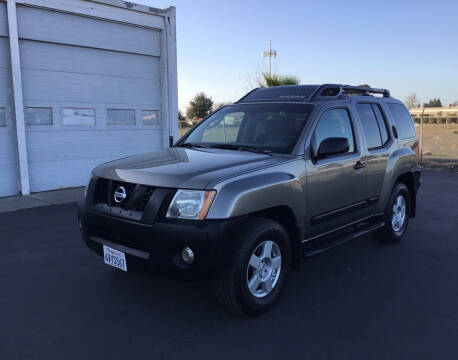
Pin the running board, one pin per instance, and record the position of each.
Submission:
(343, 240)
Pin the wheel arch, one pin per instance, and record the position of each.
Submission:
(284, 215)
(408, 180)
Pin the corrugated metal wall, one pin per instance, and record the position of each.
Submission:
(91, 93)
(96, 80)
(8, 158)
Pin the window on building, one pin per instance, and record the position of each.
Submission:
(334, 123)
(403, 121)
(150, 117)
(2, 117)
(84, 117)
(120, 117)
(38, 116)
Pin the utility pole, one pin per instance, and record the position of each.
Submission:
(421, 136)
(270, 54)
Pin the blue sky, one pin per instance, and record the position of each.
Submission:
(405, 46)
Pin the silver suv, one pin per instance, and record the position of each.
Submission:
(283, 173)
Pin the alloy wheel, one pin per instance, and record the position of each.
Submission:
(264, 269)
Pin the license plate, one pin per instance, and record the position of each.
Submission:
(114, 258)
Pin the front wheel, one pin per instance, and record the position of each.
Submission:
(257, 273)
(396, 215)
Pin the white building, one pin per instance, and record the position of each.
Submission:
(81, 83)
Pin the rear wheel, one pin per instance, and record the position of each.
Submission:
(258, 270)
(396, 215)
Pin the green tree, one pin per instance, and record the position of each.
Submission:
(270, 80)
(199, 107)
(433, 103)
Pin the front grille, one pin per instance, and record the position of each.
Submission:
(144, 199)
(101, 191)
(137, 196)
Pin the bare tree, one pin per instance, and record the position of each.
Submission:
(412, 101)
(218, 106)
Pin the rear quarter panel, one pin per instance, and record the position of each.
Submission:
(402, 160)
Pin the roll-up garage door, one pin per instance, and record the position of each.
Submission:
(91, 93)
(8, 158)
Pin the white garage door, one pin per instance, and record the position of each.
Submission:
(8, 159)
(91, 93)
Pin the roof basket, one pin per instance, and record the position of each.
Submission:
(335, 90)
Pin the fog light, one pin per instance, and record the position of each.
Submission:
(187, 255)
(80, 224)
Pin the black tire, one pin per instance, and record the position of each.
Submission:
(388, 234)
(232, 290)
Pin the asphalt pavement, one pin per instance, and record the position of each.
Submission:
(362, 300)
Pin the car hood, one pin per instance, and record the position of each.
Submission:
(184, 168)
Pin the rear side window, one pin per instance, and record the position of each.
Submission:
(370, 126)
(381, 123)
(403, 120)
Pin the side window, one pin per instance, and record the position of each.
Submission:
(381, 123)
(370, 125)
(403, 120)
(334, 123)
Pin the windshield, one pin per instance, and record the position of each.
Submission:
(257, 127)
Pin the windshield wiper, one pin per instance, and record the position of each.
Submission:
(193, 145)
(241, 148)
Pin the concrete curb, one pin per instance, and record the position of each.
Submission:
(46, 198)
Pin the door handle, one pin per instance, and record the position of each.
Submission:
(358, 165)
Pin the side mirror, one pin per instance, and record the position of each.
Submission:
(333, 146)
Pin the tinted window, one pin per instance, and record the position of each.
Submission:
(402, 120)
(225, 130)
(381, 122)
(272, 127)
(333, 123)
(370, 126)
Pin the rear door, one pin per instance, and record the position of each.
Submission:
(377, 144)
(335, 184)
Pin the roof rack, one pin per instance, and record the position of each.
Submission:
(335, 90)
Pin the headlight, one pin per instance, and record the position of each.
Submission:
(191, 204)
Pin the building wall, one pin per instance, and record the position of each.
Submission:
(94, 89)
(8, 157)
(443, 115)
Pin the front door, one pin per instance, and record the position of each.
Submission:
(335, 183)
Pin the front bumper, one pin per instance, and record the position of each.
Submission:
(158, 246)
